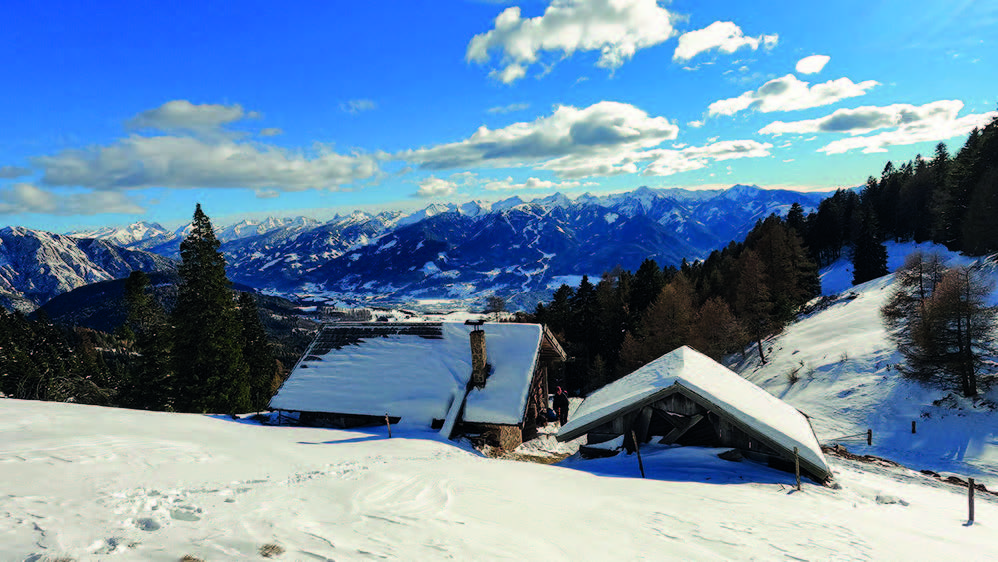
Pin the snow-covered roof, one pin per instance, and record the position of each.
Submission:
(412, 371)
(745, 402)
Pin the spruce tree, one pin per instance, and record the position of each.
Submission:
(211, 372)
(149, 384)
(752, 298)
(869, 255)
(263, 375)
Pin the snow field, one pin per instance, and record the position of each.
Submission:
(93, 483)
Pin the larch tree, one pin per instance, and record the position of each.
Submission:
(211, 373)
(941, 323)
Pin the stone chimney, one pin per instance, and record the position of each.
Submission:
(479, 366)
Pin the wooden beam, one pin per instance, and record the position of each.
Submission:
(642, 423)
(678, 432)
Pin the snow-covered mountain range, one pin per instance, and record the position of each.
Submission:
(518, 249)
(36, 266)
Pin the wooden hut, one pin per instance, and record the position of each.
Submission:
(470, 378)
(686, 398)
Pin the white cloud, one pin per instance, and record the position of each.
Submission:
(936, 126)
(267, 193)
(354, 107)
(508, 108)
(724, 36)
(668, 162)
(28, 198)
(572, 141)
(695, 124)
(910, 124)
(615, 28)
(188, 162)
(271, 132)
(812, 64)
(435, 187)
(788, 94)
(870, 118)
(11, 172)
(531, 183)
(184, 115)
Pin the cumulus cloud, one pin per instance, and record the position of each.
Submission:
(668, 162)
(789, 93)
(28, 198)
(870, 118)
(189, 162)
(571, 140)
(184, 115)
(11, 172)
(271, 132)
(508, 108)
(724, 36)
(929, 123)
(615, 28)
(435, 187)
(812, 64)
(531, 183)
(354, 107)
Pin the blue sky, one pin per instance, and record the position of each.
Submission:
(135, 112)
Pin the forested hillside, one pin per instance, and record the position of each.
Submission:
(751, 289)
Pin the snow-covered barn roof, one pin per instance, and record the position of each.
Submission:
(412, 371)
(746, 403)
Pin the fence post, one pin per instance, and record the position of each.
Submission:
(869, 437)
(970, 498)
(797, 467)
(389, 424)
(637, 449)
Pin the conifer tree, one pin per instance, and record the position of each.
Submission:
(264, 378)
(211, 372)
(149, 381)
(869, 254)
(752, 300)
(941, 323)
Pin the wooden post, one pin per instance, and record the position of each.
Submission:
(869, 437)
(797, 467)
(389, 424)
(913, 426)
(637, 450)
(970, 498)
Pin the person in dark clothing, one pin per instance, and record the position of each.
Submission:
(561, 405)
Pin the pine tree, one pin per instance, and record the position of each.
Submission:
(211, 372)
(264, 378)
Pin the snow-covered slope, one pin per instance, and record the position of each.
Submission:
(87, 483)
(848, 382)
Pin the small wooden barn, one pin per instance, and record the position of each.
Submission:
(471, 378)
(686, 398)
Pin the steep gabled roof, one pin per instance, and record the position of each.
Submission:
(702, 378)
(412, 371)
